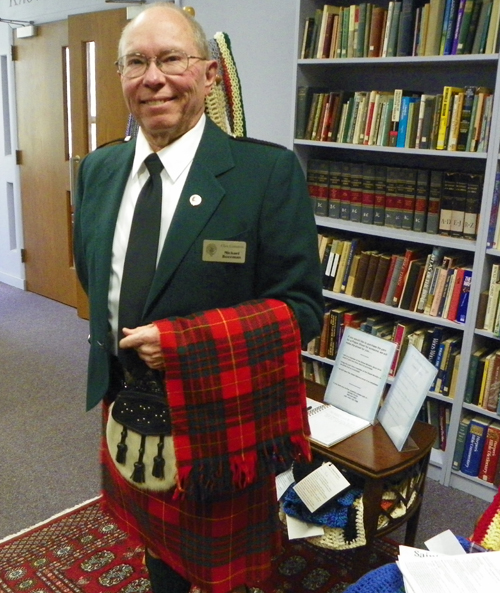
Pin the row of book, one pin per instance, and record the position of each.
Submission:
(440, 346)
(422, 200)
(482, 387)
(493, 237)
(491, 320)
(438, 414)
(458, 119)
(477, 449)
(405, 28)
(435, 283)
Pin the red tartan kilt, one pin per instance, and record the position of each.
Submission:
(217, 546)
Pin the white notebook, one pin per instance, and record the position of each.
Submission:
(330, 425)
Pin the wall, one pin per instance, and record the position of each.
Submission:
(11, 267)
(262, 40)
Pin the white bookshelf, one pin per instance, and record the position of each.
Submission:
(427, 74)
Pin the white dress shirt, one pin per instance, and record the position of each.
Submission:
(176, 158)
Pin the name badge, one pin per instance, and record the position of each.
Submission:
(226, 252)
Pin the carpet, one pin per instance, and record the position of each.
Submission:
(83, 551)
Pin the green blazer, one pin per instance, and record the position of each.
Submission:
(250, 191)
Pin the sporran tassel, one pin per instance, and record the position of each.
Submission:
(159, 461)
(121, 453)
(139, 474)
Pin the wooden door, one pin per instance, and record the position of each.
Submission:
(46, 208)
(109, 121)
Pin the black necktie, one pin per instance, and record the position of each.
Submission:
(142, 249)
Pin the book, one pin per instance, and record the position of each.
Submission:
(421, 200)
(434, 201)
(411, 253)
(449, 22)
(406, 27)
(335, 189)
(491, 453)
(380, 184)
(472, 205)
(433, 38)
(463, 429)
(379, 14)
(359, 279)
(410, 287)
(474, 444)
(492, 389)
(463, 302)
(473, 373)
(394, 278)
(447, 201)
(434, 260)
(384, 263)
(371, 272)
(445, 115)
(368, 193)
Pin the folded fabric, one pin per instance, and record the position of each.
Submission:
(236, 394)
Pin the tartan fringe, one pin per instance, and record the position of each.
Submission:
(207, 480)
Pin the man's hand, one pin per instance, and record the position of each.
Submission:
(145, 340)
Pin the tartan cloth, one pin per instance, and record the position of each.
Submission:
(236, 395)
(237, 400)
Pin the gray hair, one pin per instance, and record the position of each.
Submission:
(199, 37)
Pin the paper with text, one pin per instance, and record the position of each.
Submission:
(320, 486)
(360, 373)
(406, 396)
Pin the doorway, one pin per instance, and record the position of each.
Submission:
(69, 102)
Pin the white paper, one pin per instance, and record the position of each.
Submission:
(445, 543)
(320, 485)
(470, 573)
(409, 552)
(297, 529)
(406, 396)
(283, 481)
(360, 373)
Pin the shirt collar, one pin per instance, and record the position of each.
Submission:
(176, 156)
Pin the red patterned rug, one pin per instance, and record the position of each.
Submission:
(83, 551)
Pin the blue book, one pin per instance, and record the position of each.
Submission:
(474, 445)
(449, 21)
(403, 120)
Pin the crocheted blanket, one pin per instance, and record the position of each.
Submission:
(236, 395)
(487, 530)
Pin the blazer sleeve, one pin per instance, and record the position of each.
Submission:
(289, 266)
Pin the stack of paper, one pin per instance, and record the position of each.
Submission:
(448, 569)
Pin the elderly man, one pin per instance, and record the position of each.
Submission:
(232, 232)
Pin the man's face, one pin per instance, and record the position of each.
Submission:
(165, 107)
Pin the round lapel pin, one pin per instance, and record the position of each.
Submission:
(195, 200)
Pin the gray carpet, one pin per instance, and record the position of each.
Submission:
(49, 444)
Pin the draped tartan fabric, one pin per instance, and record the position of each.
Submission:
(237, 400)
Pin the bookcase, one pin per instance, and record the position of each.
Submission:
(422, 74)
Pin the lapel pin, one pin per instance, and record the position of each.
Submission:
(195, 200)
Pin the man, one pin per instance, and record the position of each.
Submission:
(215, 189)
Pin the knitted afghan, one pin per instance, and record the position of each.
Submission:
(487, 531)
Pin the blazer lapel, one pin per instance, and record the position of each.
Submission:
(200, 197)
(112, 181)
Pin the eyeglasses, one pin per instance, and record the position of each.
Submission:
(169, 62)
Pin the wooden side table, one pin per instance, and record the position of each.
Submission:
(392, 482)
